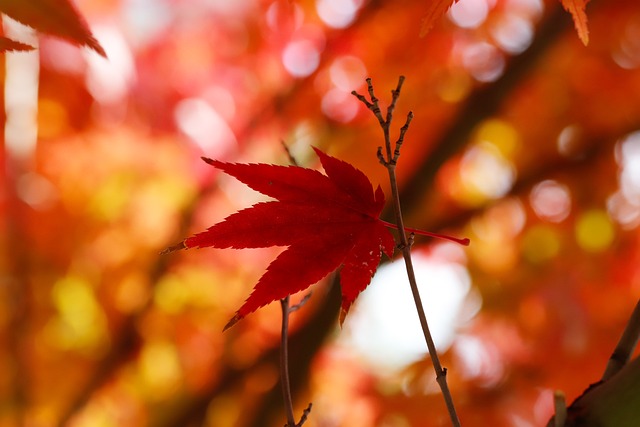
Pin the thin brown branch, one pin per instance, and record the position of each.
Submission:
(405, 243)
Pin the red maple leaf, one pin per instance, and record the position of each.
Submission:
(56, 17)
(326, 221)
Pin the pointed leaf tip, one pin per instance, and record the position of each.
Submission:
(174, 248)
(6, 44)
(343, 315)
(208, 160)
(232, 322)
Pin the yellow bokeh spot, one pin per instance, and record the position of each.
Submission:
(80, 323)
(499, 133)
(454, 87)
(540, 243)
(224, 411)
(594, 231)
(191, 287)
(110, 197)
(160, 369)
(171, 294)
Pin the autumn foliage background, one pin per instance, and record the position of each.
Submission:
(524, 140)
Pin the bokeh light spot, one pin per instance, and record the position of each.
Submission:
(551, 201)
(513, 33)
(469, 13)
(454, 87)
(301, 58)
(485, 174)
(338, 13)
(347, 73)
(171, 294)
(540, 243)
(628, 157)
(483, 61)
(594, 231)
(339, 105)
(499, 133)
(80, 324)
(160, 369)
(284, 15)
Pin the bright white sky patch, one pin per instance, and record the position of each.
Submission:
(383, 324)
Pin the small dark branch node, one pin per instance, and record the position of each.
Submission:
(362, 99)
(403, 131)
(304, 416)
(381, 158)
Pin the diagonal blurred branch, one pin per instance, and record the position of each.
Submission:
(625, 347)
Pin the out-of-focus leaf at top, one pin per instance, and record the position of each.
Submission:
(56, 17)
(436, 9)
(576, 9)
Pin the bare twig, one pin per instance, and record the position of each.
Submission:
(389, 162)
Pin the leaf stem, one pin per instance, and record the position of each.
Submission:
(284, 362)
(464, 241)
(389, 162)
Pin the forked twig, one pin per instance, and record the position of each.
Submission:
(389, 161)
